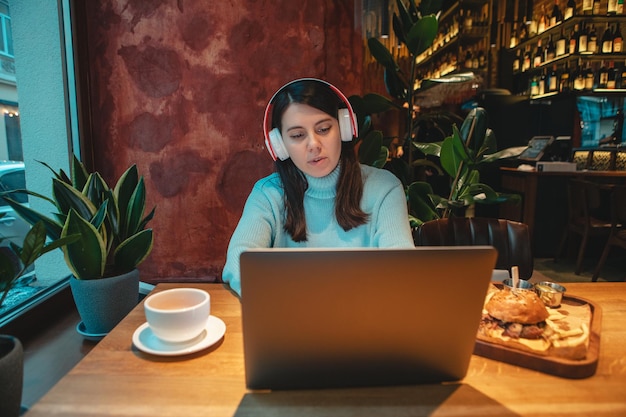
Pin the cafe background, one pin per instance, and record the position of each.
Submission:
(179, 88)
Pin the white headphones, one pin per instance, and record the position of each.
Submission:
(273, 139)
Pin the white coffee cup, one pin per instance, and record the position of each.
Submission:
(179, 314)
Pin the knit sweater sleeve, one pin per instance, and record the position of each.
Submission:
(257, 227)
(387, 200)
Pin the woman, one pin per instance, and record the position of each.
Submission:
(319, 196)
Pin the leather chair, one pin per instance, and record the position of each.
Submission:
(584, 202)
(617, 235)
(510, 238)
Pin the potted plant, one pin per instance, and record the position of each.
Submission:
(460, 155)
(113, 240)
(14, 262)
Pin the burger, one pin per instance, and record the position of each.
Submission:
(519, 319)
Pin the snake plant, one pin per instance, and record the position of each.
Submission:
(110, 222)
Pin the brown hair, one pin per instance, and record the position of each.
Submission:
(350, 184)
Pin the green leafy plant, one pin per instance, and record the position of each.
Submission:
(460, 155)
(15, 260)
(113, 238)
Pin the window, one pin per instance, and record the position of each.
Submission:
(37, 126)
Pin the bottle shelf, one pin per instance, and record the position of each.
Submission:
(571, 22)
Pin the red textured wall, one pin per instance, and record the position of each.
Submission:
(179, 88)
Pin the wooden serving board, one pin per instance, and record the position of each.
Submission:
(575, 369)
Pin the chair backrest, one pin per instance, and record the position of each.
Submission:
(618, 205)
(511, 239)
(584, 200)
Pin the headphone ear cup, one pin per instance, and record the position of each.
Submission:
(345, 125)
(277, 144)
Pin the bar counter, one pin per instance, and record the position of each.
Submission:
(116, 379)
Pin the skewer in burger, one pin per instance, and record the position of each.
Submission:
(519, 319)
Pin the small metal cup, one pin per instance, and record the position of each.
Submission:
(522, 285)
(550, 293)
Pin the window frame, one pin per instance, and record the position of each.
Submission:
(73, 54)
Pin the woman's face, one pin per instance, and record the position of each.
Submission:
(312, 139)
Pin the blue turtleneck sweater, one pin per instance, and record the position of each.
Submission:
(262, 222)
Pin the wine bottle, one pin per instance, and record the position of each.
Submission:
(482, 59)
(550, 51)
(589, 78)
(542, 25)
(611, 9)
(596, 7)
(587, 7)
(553, 80)
(570, 9)
(538, 57)
(514, 39)
(468, 22)
(618, 41)
(579, 79)
(603, 76)
(582, 38)
(560, 44)
(556, 16)
(523, 31)
(592, 40)
(526, 63)
(607, 41)
(534, 86)
(468, 59)
(611, 82)
(532, 28)
(564, 79)
(621, 78)
(542, 82)
(573, 40)
(620, 7)
(517, 61)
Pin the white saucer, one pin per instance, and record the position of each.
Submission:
(80, 328)
(146, 341)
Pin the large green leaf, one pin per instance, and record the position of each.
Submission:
(136, 207)
(79, 174)
(376, 103)
(134, 250)
(474, 129)
(53, 228)
(420, 202)
(394, 85)
(429, 148)
(427, 7)
(96, 189)
(382, 54)
(123, 193)
(406, 18)
(450, 159)
(398, 28)
(371, 144)
(86, 257)
(422, 34)
(68, 198)
(503, 154)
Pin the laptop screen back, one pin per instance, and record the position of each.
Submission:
(327, 318)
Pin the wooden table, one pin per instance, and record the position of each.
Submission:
(544, 202)
(115, 379)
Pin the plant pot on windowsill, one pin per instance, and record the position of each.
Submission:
(113, 239)
(11, 376)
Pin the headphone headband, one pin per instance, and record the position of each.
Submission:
(273, 140)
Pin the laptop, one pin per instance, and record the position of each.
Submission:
(333, 318)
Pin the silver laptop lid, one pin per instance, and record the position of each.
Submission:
(322, 318)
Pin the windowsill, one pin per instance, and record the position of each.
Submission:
(52, 346)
